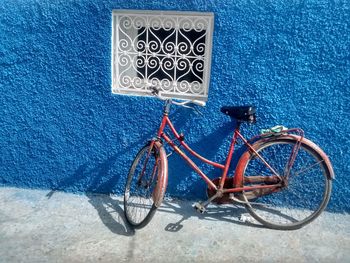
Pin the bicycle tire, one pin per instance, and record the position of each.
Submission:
(305, 194)
(145, 185)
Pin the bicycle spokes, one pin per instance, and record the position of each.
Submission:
(303, 193)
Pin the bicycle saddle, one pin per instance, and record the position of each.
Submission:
(240, 113)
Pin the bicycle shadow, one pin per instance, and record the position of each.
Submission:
(111, 213)
(108, 209)
(234, 214)
(101, 179)
(104, 178)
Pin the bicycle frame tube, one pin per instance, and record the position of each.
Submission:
(238, 180)
(166, 122)
(257, 154)
(295, 150)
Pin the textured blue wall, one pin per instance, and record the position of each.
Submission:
(61, 128)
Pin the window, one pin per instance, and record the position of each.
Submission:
(164, 49)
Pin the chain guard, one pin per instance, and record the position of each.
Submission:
(225, 198)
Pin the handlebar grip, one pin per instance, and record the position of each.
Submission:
(199, 102)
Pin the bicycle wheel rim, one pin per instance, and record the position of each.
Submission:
(139, 206)
(306, 194)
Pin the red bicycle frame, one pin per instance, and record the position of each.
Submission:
(238, 178)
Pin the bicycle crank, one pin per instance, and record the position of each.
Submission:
(201, 206)
(225, 198)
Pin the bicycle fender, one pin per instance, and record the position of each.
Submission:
(162, 175)
(238, 177)
(315, 147)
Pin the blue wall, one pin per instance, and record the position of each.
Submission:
(61, 128)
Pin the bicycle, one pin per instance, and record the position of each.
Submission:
(283, 179)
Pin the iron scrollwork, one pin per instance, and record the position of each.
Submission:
(167, 51)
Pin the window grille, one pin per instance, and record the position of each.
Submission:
(168, 50)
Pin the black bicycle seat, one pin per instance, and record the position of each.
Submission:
(240, 113)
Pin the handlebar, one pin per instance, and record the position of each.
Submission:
(155, 93)
(199, 102)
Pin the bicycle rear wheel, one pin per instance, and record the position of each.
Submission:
(145, 185)
(304, 193)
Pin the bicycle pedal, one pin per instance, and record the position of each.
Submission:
(199, 208)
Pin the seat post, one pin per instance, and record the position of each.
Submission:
(238, 125)
(167, 105)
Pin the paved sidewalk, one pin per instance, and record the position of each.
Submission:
(44, 226)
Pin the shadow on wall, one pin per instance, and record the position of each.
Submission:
(99, 179)
(108, 177)
(188, 182)
(105, 177)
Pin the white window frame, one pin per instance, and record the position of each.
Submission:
(128, 50)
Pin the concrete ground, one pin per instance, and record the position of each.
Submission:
(44, 226)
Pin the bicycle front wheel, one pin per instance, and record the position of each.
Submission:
(305, 190)
(145, 185)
